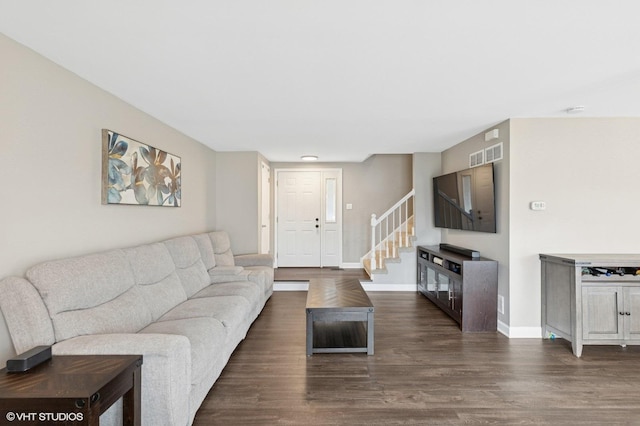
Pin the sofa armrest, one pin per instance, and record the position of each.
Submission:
(253, 260)
(26, 314)
(224, 274)
(166, 369)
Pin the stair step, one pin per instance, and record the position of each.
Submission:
(400, 241)
(367, 268)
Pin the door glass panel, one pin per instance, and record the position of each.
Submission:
(330, 200)
(466, 193)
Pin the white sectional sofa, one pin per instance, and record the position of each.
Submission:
(184, 304)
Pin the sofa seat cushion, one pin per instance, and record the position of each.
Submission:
(249, 290)
(206, 336)
(231, 311)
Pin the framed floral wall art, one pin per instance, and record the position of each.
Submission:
(136, 173)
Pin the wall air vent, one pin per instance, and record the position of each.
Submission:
(493, 153)
(492, 135)
(476, 159)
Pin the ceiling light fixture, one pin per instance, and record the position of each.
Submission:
(309, 158)
(575, 110)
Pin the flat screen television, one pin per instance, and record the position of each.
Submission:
(466, 200)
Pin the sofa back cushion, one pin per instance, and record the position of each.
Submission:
(206, 250)
(189, 265)
(222, 248)
(155, 275)
(91, 294)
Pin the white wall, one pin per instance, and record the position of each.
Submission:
(51, 148)
(586, 170)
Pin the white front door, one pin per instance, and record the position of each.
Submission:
(265, 207)
(299, 218)
(309, 218)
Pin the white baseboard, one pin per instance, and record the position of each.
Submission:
(520, 332)
(351, 265)
(291, 286)
(503, 328)
(369, 286)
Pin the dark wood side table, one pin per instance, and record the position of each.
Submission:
(72, 389)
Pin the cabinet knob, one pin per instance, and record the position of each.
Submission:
(620, 313)
(627, 313)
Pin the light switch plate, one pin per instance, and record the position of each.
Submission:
(538, 205)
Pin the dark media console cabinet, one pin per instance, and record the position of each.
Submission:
(466, 288)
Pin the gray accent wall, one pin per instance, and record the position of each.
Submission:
(238, 203)
(372, 186)
(494, 246)
(51, 150)
(426, 166)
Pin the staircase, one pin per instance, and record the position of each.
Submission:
(391, 235)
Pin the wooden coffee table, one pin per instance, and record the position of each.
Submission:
(339, 317)
(73, 389)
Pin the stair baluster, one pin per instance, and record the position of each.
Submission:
(398, 231)
(374, 222)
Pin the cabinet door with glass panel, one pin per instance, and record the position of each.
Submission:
(432, 281)
(444, 289)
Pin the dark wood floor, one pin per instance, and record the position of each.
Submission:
(424, 372)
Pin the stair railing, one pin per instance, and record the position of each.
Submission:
(384, 230)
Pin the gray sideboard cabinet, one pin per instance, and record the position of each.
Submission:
(591, 299)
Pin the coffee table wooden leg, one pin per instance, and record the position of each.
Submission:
(131, 403)
(370, 332)
(309, 332)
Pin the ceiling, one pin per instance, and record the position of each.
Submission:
(343, 79)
